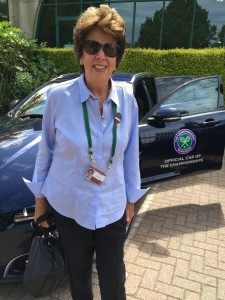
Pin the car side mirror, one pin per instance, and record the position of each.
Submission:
(166, 114)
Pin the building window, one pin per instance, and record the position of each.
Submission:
(157, 24)
(4, 13)
(57, 19)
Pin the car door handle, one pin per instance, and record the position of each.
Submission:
(210, 122)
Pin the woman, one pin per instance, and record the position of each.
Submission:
(90, 126)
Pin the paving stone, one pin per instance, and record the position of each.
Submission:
(182, 268)
(166, 273)
(170, 290)
(208, 293)
(132, 283)
(148, 294)
(221, 289)
(149, 279)
(202, 278)
(192, 296)
(197, 263)
(186, 284)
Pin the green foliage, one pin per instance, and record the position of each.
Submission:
(200, 63)
(63, 59)
(221, 35)
(22, 66)
(175, 62)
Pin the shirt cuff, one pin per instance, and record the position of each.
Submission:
(134, 194)
(34, 187)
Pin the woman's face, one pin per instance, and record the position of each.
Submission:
(98, 68)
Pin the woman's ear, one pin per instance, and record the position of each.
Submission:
(81, 61)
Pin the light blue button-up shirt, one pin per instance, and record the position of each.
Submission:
(63, 157)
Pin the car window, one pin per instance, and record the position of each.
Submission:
(142, 99)
(150, 85)
(197, 97)
(165, 85)
(34, 105)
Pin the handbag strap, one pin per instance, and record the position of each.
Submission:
(48, 217)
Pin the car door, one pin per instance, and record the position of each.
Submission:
(184, 132)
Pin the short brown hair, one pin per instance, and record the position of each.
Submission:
(105, 18)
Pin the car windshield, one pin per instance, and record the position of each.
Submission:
(34, 105)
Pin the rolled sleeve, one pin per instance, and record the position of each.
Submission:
(134, 194)
(34, 187)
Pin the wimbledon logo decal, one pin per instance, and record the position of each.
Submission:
(184, 141)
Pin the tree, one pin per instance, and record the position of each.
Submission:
(213, 32)
(22, 66)
(221, 35)
(150, 32)
(178, 18)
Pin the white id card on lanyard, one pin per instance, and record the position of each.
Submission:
(96, 174)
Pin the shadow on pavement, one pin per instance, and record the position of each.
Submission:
(165, 223)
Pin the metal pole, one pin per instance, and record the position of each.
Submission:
(133, 27)
(161, 29)
(193, 23)
(57, 24)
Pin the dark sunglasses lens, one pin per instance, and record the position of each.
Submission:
(110, 50)
(91, 47)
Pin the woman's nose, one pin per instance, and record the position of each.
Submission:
(100, 53)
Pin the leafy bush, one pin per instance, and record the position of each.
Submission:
(63, 59)
(22, 66)
(174, 62)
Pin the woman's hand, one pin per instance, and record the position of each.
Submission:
(41, 208)
(129, 212)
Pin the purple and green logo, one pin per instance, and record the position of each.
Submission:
(184, 141)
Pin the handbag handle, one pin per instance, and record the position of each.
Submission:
(48, 217)
(49, 232)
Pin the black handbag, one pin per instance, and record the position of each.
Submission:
(46, 268)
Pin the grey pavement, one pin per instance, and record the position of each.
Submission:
(175, 248)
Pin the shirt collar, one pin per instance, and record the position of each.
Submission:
(85, 93)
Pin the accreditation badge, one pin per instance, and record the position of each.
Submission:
(96, 174)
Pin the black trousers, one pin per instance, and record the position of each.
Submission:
(80, 244)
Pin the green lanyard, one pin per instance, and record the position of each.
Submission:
(88, 133)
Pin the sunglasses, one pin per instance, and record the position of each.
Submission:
(93, 47)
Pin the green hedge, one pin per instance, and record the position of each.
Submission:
(176, 62)
(63, 59)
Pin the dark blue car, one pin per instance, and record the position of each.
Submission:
(181, 129)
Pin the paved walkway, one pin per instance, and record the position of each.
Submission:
(176, 246)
